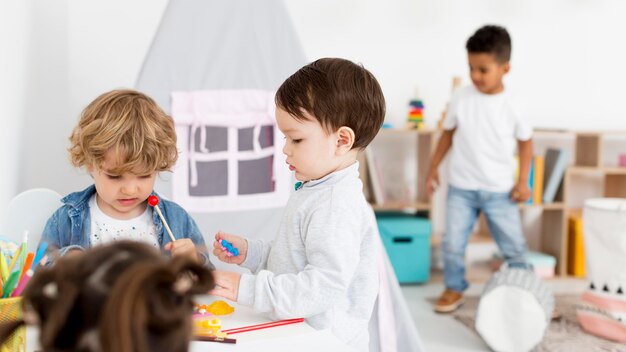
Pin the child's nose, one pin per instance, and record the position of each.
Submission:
(130, 188)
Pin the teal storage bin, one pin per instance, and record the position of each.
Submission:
(407, 241)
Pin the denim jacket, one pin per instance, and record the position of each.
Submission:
(70, 226)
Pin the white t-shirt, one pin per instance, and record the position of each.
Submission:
(105, 229)
(488, 126)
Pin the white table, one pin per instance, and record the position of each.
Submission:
(277, 339)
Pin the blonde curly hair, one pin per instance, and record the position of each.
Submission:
(129, 123)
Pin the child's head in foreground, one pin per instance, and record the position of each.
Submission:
(120, 297)
(489, 53)
(328, 110)
(123, 139)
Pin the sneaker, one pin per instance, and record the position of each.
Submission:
(449, 301)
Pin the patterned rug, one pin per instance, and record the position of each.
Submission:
(564, 334)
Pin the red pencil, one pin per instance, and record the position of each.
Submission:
(263, 326)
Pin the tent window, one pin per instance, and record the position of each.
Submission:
(256, 176)
(246, 138)
(216, 139)
(231, 152)
(212, 179)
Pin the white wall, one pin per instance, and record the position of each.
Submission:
(56, 57)
(15, 19)
(568, 62)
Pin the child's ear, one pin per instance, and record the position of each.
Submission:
(345, 140)
(506, 67)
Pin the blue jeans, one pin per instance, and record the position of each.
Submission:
(462, 210)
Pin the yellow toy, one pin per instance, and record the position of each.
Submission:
(205, 325)
(209, 327)
(219, 308)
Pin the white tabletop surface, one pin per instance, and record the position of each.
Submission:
(277, 339)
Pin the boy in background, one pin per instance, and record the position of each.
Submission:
(481, 130)
(124, 140)
(322, 264)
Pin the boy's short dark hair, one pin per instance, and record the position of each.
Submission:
(337, 93)
(492, 40)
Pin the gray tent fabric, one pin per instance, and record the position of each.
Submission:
(222, 44)
(241, 44)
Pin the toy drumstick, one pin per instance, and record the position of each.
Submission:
(154, 201)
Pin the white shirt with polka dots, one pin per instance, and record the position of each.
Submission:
(105, 229)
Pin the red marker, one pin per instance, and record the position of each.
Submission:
(154, 201)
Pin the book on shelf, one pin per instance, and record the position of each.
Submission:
(531, 180)
(545, 175)
(555, 164)
(576, 246)
(537, 191)
(375, 177)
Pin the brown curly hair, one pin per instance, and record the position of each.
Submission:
(132, 125)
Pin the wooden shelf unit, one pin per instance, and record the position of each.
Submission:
(549, 206)
(401, 206)
(424, 143)
(588, 160)
(592, 166)
(593, 174)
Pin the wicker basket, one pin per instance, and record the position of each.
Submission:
(11, 309)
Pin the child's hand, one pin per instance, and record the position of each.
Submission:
(238, 242)
(226, 284)
(432, 182)
(183, 247)
(520, 192)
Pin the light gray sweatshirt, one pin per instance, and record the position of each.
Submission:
(322, 265)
